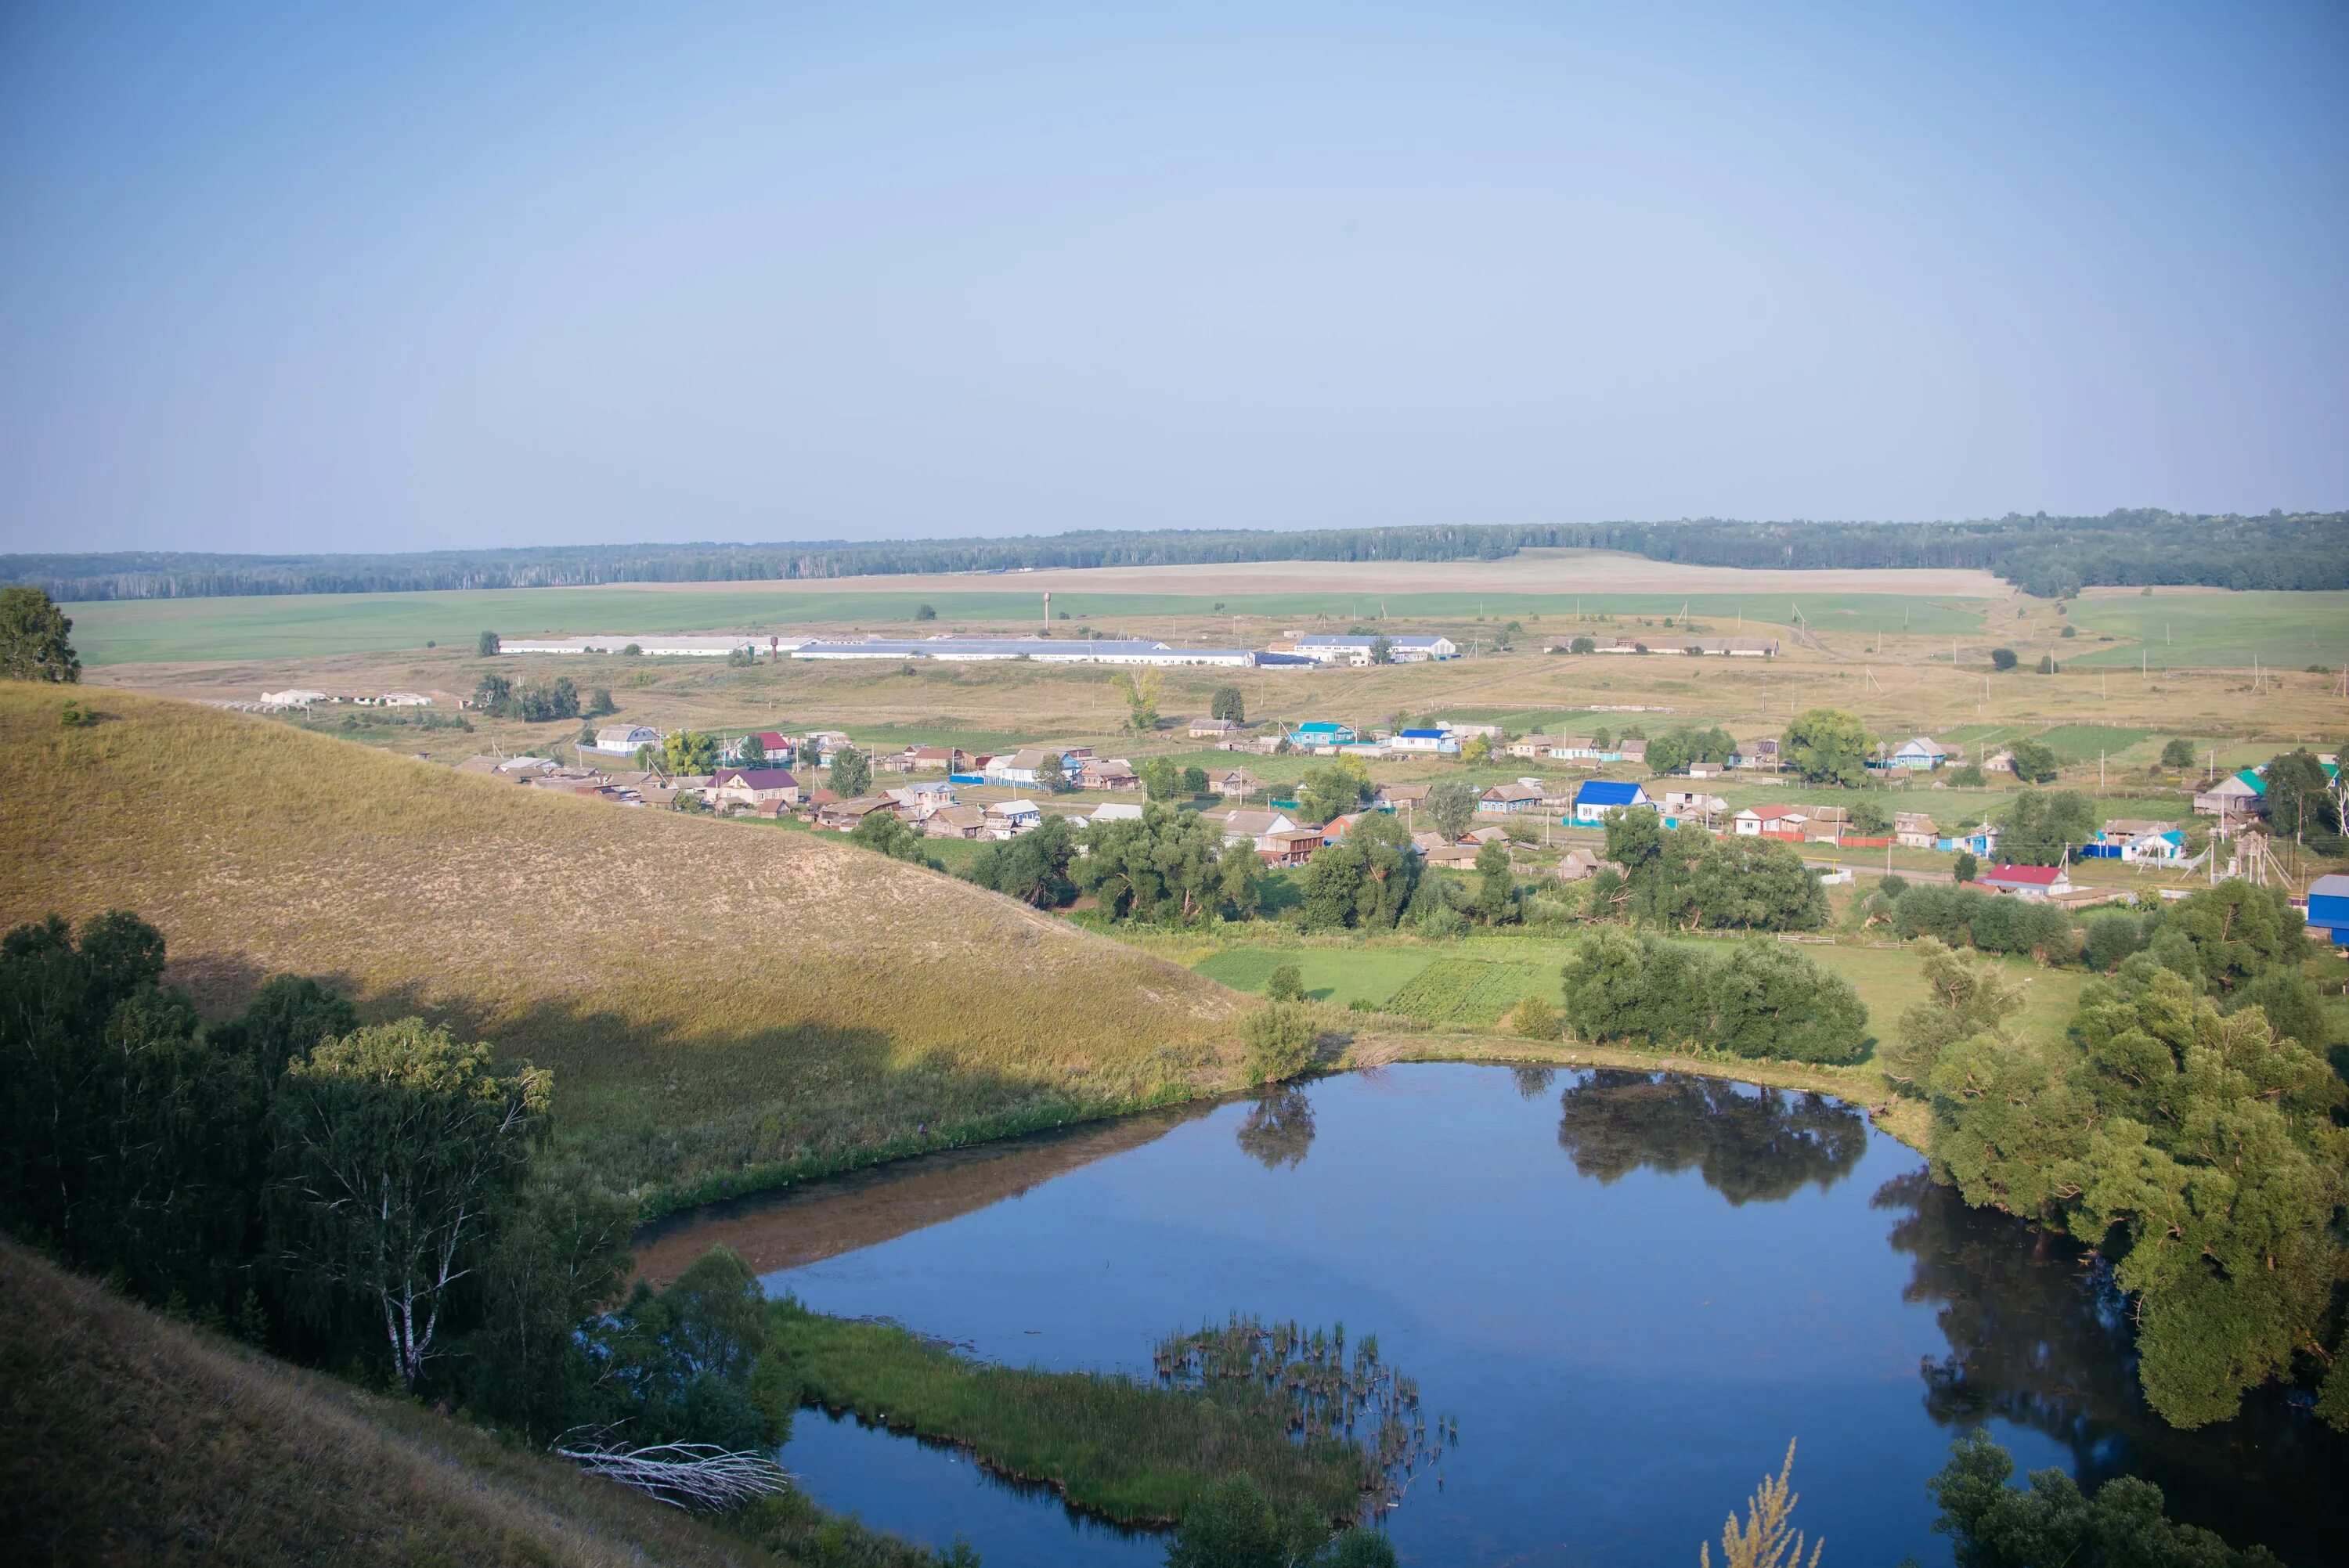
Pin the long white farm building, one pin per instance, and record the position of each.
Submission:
(1052, 650)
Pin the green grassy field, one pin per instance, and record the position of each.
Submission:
(110, 632)
(2286, 630)
(1473, 983)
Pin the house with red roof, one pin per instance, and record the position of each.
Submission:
(2025, 882)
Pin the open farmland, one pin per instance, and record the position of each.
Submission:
(2176, 628)
(717, 1005)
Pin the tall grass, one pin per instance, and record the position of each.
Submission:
(1124, 1449)
(720, 1007)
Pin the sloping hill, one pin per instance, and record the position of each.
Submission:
(716, 999)
(131, 1438)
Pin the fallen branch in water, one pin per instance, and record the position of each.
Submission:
(699, 1477)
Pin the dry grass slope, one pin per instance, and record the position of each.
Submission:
(129, 1439)
(718, 1004)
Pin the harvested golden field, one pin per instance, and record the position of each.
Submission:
(720, 1007)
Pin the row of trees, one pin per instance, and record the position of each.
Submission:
(536, 702)
(1685, 879)
(1763, 1000)
(2189, 1130)
(379, 1199)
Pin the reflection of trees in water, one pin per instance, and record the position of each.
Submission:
(2038, 1337)
(1279, 1128)
(1749, 1146)
(1533, 1082)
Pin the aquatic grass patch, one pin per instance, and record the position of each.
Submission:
(1127, 1451)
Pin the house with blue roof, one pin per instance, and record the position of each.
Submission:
(1322, 732)
(1597, 800)
(1442, 742)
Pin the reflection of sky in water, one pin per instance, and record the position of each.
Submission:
(1625, 1359)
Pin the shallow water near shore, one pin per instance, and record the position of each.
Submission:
(1630, 1290)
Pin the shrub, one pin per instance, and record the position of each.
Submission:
(1279, 1038)
(1287, 983)
(1892, 885)
(2001, 659)
(2111, 937)
(1533, 1018)
(2178, 752)
(1771, 1001)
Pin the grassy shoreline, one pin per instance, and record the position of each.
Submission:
(1125, 1450)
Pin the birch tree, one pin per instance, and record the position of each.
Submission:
(397, 1147)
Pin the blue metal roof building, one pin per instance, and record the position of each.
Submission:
(2328, 906)
(1598, 796)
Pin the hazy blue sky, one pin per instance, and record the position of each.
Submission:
(345, 276)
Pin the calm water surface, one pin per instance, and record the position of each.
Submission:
(1631, 1292)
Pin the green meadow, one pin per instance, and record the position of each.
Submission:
(144, 631)
(2285, 630)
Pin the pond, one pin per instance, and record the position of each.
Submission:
(1630, 1290)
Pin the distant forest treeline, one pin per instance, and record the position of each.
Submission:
(2048, 556)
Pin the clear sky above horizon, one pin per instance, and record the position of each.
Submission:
(330, 277)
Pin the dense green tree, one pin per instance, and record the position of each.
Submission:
(1451, 807)
(557, 1256)
(1868, 819)
(2046, 827)
(2300, 796)
(35, 640)
(695, 752)
(1964, 867)
(2178, 752)
(1052, 774)
(885, 832)
(2110, 936)
(1279, 1038)
(493, 693)
(1965, 994)
(1771, 1001)
(1641, 988)
(1160, 779)
(486, 645)
(1823, 746)
(851, 773)
(686, 1362)
(1363, 881)
(1381, 651)
(926, 612)
(1334, 789)
(1753, 884)
(1969, 917)
(2237, 930)
(2034, 761)
(1140, 689)
(601, 703)
(1033, 866)
(1228, 703)
(753, 751)
(1286, 983)
(1173, 866)
(2124, 1526)
(2002, 659)
(1583, 645)
(1496, 888)
(1194, 781)
(395, 1144)
(287, 1016)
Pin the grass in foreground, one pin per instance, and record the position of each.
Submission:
(719, 1007)
(132, 1438)
(1127, 1451)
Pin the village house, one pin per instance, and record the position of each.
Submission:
(1456, 857)
(1487, 834)
(2033, 883)
(1691, 805)
(623, 739)
(1427, 841)
(1399, 797)
(1434, 742)
(1116, 811)
(917, 803)
(1503, 799)
(1760, 754)
(1632, 750)
(1825, 824)
(1921, 755)
(752, 787)
(935, 759)
(1111, 773)
(1770, 821)
(1580, 865)
(2136, 840)
(843, 816)
(1532, 747)
(1022, 767)
(1259, 828)
(1980, 842)
(1009, 819)
(1236, 781)
(1338, 826)
(1557, 794)
(1914, 830)
(957, 822)
(1705, 769)
(1213, 728)
(1323, 733)
(2240, 794)
(1598, 800)
(1293, 847)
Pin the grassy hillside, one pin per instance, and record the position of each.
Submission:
(126, 1438)
(718, 1004)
